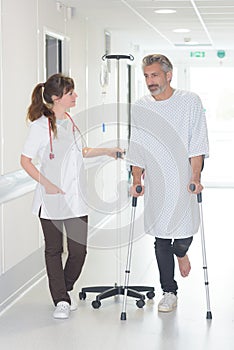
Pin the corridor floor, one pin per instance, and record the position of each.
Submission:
(29, 325)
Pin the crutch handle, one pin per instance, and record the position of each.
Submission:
(199, 195)
(134, 199)
(139, 189)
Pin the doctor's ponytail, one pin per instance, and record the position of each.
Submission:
(42, 102)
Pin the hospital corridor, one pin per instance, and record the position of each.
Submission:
(84, 120)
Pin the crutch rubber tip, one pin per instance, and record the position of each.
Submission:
(123, 316)
(209, 315)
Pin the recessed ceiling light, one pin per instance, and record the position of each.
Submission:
(165, 11)
(181, 30)
(190, 43)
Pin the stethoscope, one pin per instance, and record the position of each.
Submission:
(74, 129)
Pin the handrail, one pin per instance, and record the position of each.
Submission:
(14, 185)
(19, 183)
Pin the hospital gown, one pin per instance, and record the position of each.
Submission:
(164, 135)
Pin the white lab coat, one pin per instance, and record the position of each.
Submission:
(66, 170)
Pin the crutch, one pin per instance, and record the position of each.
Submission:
(129, 257)
(199, 200)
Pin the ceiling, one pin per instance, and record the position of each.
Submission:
(211, 22)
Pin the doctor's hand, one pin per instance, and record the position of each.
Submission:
(52, 189)
(134, 193)
(115, 152)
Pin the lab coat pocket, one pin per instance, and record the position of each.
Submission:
(52, 204)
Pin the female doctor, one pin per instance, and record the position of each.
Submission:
(60, 199)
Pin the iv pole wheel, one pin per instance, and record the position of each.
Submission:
(96, 304)
(140, 303)
(82, 295)
(150, 295)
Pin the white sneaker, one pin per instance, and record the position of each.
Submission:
(62, 310)
(74, 304)
(168, 302)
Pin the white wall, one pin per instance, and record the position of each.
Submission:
(23, 25)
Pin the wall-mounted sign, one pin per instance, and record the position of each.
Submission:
(197, 54)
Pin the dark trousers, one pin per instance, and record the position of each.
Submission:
(62, 279)
(165, 250)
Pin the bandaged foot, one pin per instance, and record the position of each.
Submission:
(184, 265)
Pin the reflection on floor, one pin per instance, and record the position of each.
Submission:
(29, 325)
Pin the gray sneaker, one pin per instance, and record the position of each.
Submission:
(168, 302)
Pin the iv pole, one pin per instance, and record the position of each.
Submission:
(119, 155)
(108, 291)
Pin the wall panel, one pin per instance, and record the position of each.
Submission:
(21, 231)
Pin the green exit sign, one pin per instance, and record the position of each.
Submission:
(197, 54)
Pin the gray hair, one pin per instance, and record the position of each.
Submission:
(164, 62)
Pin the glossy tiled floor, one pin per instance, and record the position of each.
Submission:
(28, 324)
